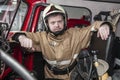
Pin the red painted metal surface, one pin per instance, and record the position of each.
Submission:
(35, 18)
(31, 4)
(17, 52)
(32, 7)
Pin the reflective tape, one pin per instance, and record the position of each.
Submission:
(65, 62)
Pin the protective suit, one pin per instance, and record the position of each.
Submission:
(61, 51)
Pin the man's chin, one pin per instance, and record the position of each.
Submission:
(58, 33)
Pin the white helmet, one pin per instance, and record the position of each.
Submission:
(53, 8)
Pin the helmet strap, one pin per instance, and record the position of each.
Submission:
(58, 32)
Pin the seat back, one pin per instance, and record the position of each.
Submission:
(104, 48)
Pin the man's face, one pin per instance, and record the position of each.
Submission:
(56, 23)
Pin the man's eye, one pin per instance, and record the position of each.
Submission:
(52, 22)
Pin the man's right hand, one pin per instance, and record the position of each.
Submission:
(25, 42)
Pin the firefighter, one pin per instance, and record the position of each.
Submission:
(60, 46)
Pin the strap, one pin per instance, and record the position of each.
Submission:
(63, 71)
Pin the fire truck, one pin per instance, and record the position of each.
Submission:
(26, 15)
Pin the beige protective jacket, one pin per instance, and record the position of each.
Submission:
(62, 49)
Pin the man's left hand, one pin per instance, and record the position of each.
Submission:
(103, 32)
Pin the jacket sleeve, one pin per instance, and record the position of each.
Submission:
(96, 25)
(34, 36)
(86, 33)
(36, 39)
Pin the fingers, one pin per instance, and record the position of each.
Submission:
(25, 42)
(103, 32)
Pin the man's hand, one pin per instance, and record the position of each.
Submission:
(25, 42)
(103, 32)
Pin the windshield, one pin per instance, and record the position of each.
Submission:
(7, 10)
